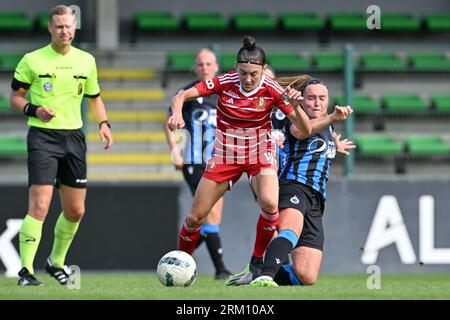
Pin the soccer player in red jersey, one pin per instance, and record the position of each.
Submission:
(243, 142)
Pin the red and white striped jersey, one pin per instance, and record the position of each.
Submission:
(244, 118)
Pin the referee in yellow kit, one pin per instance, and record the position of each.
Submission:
(57, 76)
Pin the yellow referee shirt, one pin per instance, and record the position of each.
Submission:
(59, 82)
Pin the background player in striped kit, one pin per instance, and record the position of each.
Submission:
(243, 143)
(303, 175)
(200, 116)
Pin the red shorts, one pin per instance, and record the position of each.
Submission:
(220, 172)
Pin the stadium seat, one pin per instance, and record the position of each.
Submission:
(181, 61)
(285, 61)
(301, 21)
(377, 145)
(255, 21)
(9, 61)
(441, 102)
(429, 61)
(361, 103)
(12, 146)
(227, 62)
(404, 103)
(4, 105)
(399, 22)
(42, 20)
(347, 21)
(156, 21)
(205, 21)
(15, 21)
(426, 146)
(437, 22)
(328, 61)
(382, 61)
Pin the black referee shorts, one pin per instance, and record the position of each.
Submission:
(56, 157)
(192, 174)
(310, 203)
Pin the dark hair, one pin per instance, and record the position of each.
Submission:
(311, 81)
(251, 53)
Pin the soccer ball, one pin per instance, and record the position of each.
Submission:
(177, 269)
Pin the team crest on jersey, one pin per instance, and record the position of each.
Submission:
(47, 86)
(260, 103)
(80, 89)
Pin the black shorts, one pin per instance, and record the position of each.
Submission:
(56, 157)
(192, 174)
(310, 203)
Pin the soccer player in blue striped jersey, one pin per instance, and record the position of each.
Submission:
(303, 175)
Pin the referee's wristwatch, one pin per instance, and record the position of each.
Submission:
(102, 122)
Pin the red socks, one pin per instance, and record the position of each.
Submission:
(188, 238)
(267, 224)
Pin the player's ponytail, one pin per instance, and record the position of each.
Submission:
(251, 53)
(296, 82)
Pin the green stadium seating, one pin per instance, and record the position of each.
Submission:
(328, 61)
(256, 21)
(156, 21)
(437, 22)
(399, 22)
(12, 146)
(426, 146)
(4, 105)
(285, 61)
(181, 61)
(361, 103)
(382, 61)
(228, 62)
(15, 21)
(301, 21)
(9, 61)
(441, 102)
(205, 21)
(377, 145)
(430, 62)
(42, 20)
(347, 21)
(401, 103)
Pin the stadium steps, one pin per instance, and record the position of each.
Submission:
(135, 176)
(134, 116)
(126, 74)
(127, 94)
(133, 136)
(129, 158)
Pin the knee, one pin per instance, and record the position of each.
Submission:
(306, 278)
(74, 213)
(269, 205)
(195, 220)
(39, 208)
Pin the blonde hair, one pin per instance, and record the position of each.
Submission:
(60, 10)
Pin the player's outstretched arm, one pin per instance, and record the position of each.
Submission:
(98, 107)
(298, 117)
(176, 121)
(343, 145)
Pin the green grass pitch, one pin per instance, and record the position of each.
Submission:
(133, 286)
